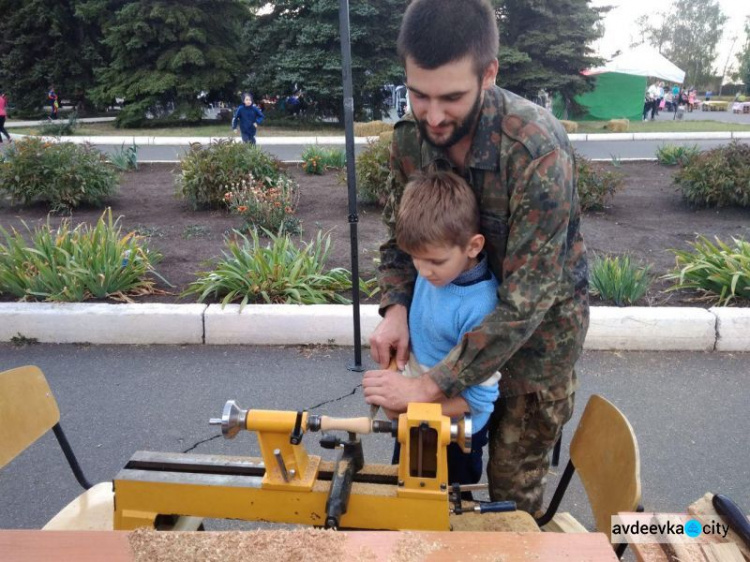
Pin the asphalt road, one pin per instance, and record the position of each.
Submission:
(591, 149)
(689, 411)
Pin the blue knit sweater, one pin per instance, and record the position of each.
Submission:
(440, 316)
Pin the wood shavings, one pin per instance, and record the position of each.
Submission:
(412, 547)
(306, 545)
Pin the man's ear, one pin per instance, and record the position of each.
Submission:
(490, 75)
(475, 245)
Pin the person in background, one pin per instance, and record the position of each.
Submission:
(247, 117)
(3, 116)
(53, 102)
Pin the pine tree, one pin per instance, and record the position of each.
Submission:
(44, 43)
(163, 54)
(545, 44)
(296, 45)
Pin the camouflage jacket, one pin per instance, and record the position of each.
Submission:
(521, 168)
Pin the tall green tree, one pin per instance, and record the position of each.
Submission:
(295, 44)
(164, 53)
(743, 58)
(545, 44)
(44, 43)
(688, 36)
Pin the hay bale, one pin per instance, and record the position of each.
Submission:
(386, 136)
(570, 126)
(618, 125)
(371, 129)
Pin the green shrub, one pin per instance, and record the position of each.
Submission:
(316, 159)
(125, 159)
(619, 280)
(72, 265)
(595, 187)
(674, 155)
(278, 272)
(63, 175)
(263, 207)
(60, 128)
(721, 271)
(718, 177)
(372, 167)
(208, 170)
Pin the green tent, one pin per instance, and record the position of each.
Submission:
(615, 96)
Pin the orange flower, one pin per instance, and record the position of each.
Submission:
(242, 208)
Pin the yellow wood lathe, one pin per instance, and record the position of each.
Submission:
(288, 485)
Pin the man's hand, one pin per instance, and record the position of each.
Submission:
(393, 391)
(392, 333)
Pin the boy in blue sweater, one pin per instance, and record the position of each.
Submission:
(247, 116)
(438, 226)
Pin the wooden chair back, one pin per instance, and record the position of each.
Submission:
(604, 451)
(27, 410)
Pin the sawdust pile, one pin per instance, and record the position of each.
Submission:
(307, 545)
(413, 548)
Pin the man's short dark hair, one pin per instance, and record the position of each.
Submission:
(436, 32)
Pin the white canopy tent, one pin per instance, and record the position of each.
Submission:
(642, 61)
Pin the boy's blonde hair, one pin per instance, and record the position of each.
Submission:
(438, 209)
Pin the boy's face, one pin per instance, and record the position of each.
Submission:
(440, 264)
(248, 100)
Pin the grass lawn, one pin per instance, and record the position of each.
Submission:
(211, 130)
(666, 125)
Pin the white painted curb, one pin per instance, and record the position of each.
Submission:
(651, 329)
(100, 323)
(280, 324)
(733, 329)
(626, 329)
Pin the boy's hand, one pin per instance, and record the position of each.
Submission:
(392, 333)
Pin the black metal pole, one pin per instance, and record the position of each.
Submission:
(351, 176)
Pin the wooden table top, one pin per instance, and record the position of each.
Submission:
(114, 546)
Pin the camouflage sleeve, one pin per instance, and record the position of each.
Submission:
(396, 273)
(533, 270)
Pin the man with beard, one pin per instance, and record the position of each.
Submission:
(520, 165)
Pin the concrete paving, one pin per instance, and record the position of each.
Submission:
(688, 410)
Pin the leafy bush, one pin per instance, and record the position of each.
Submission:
(63, 175)
(208, 170)
(720, 270)
(619, 280)
(276, 273)
(263, 207)
(372, 167)
(718, 177)
(60, 128)
(72, 265)
(316, 160)
(125, 159)
(673, 155)
(595, 187)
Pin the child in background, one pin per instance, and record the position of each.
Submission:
(247, 116)
(53, 102)
(438, 226)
